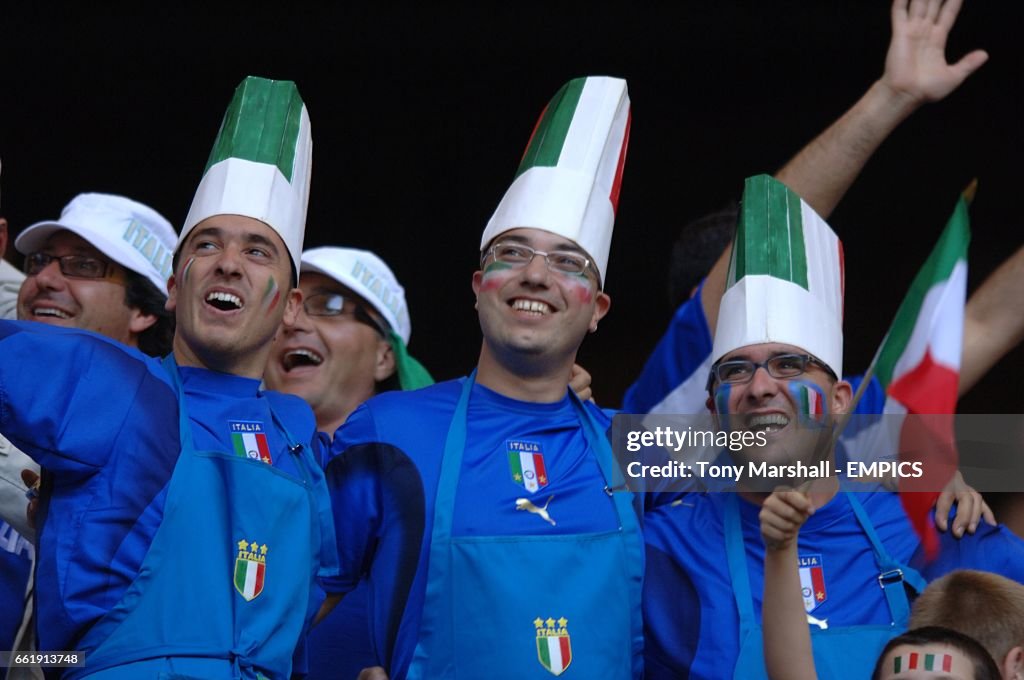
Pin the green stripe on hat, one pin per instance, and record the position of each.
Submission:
(261, 125)
(770, 235)
(548, 138)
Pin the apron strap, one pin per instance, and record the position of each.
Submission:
(736, 555)
(892, 574)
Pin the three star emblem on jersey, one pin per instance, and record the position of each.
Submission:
(250, 568)
(250, 440)
(526, 463)
(553, 648)
(812, 581)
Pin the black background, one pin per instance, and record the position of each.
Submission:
(420, 114)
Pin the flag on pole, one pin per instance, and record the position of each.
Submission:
(918, 366)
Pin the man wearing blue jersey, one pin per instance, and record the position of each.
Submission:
(476, 511)
(184, 516)
(778, 342)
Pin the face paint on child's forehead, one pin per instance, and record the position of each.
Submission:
(926, 662)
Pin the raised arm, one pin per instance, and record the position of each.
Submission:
(787, 640)
(993, 320)
(916, 71)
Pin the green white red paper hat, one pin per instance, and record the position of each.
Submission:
(569, 178)
(785, 282)
(261, 163)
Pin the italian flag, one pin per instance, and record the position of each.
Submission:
(554, 652)
(528, 469)
(249, 577)
(251, 445)
(918, 365)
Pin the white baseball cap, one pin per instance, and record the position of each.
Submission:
(131, 234)
(366, 275)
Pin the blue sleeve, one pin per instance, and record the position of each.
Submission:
(677, 359)
(995, 549)
(65, 395)
(353, 481)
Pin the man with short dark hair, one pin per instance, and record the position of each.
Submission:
(453, 501)
(184, 515)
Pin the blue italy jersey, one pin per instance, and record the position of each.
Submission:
(15, 566)
(383, 481)
(675, 377)
(102, 420)
(691, 623)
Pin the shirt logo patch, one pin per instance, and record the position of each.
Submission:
(554, 650)
(250, 569)
(249, 439)
(526, 463)
(812, 582)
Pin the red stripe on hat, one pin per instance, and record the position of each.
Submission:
(536, 125)
(617, 184)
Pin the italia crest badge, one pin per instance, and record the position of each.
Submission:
(526, 463)
(812, 581)
(249, 440)
(554, 650)
(250, 569)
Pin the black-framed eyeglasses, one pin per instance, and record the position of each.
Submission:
(741, 371)
(76, 266)
(519, 255)
(336, 304)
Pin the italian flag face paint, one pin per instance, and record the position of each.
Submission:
(809, 400)
(186, 268)
(925, 662)
(271, 295)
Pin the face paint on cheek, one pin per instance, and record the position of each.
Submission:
(186, 268)
(810, 402)
(581, 289)
(272, 295)
(492, 278)
(722, 395)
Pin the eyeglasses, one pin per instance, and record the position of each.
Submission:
(336, 304)
(741, 371)
(76, 266)
(519, 255)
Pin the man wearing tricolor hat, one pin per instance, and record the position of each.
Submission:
(777, 352)
(477, 509)
(184, 516)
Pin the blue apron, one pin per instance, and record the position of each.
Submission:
(843, 652)
(530, 606)
(209, 601)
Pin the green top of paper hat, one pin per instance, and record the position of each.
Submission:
(261, 125)
(770, 233)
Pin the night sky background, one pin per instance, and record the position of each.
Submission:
(420, 115)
